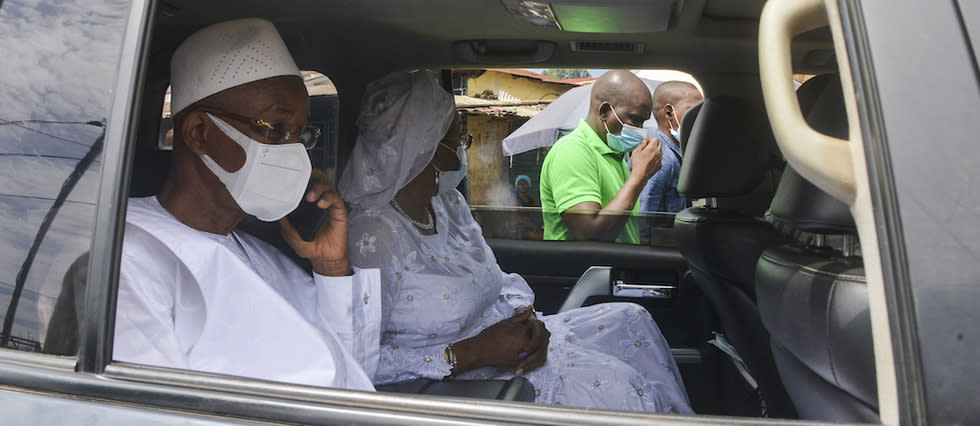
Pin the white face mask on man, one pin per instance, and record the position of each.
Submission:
(273, 180)
(671, 118)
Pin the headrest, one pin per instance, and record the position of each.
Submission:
(728, 149)
(822, 103)
(688, 122)
(798, 203)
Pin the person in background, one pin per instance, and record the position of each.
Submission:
(526, 223)
(524, 197)
(671, 100)
(448, 309)
(588, 192)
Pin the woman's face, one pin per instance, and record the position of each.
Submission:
(445, 158)
(522, 186)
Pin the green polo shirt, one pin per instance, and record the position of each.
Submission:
(578, 169)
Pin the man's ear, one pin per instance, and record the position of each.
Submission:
(193, 131)
(604, 109)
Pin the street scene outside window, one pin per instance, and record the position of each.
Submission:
(516, 116)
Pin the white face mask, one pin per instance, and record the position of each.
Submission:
(676, 133)
(273, 180)
(450, 179)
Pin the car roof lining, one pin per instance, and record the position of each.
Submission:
(706, 35)
(354, 43)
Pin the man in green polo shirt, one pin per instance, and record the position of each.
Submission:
(587, 189)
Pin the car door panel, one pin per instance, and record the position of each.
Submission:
(552, 268)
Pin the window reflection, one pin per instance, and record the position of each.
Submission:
(55, 89)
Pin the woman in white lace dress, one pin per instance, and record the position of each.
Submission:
(448, 309)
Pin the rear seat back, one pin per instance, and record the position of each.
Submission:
(727, 155)
(813, 298)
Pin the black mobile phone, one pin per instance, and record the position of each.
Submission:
(307, 219)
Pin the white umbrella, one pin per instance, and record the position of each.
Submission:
(558, 119)
(669, 75)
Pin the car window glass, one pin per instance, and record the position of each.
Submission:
(55, 90)
(509, 150)
(970, 14)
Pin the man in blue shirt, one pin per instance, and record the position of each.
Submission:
(671, 100)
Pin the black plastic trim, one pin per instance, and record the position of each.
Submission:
(97, 324)
(910, 384)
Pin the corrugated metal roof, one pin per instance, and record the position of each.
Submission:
(526, 109)
(531, 74)
(581, 81)
(468, 101)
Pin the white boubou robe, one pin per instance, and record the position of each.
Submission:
(232, 304)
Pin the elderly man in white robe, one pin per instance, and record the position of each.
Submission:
(194, 293)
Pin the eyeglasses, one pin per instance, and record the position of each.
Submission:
(307, 135)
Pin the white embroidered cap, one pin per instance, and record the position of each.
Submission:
(226, 55)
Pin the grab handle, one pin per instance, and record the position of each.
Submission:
(823, 160)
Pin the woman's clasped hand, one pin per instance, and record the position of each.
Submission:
(519, 343)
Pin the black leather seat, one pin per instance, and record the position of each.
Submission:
(814, 302)
(729, 154)
(756, 201)
(813, 298)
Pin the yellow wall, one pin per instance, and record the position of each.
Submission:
(488, 179)
(525, 89)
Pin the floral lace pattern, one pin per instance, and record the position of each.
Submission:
(446, 287)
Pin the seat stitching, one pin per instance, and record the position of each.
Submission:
(809, 270)
(830, 352)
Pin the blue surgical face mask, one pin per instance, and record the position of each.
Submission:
(627, 139)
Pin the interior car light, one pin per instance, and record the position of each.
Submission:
(535, 12)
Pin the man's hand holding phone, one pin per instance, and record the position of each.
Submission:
(323, 215)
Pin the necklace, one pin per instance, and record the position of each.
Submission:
(423, 226)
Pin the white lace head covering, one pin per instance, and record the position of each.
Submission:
(403, 117)
(225, 55)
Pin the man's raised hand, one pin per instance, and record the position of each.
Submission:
(328, 250)
(646, 158)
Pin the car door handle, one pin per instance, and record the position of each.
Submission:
(655, 291)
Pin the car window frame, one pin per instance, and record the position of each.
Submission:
(909, 331)
(96, 326)
(97, 378)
